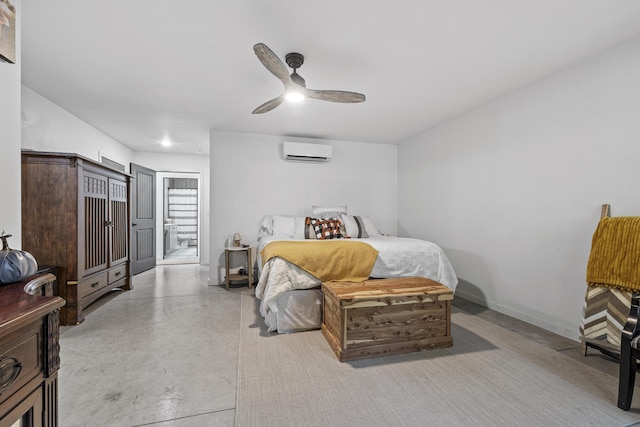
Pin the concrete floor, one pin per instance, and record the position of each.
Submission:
(165, 354)
(190, 253)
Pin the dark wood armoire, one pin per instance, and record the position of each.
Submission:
(75, 215)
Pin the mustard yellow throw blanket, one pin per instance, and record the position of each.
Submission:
(614, 261)
(341, 260)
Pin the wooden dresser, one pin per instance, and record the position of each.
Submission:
(29, 354)
(75, 215)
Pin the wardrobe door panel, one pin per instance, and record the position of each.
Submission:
(95, 223)
(118, 222)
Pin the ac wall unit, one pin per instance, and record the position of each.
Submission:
(303, 152)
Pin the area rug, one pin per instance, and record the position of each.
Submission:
(490, 377)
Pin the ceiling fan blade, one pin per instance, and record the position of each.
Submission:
(269, 105)
(335, 96)
(272, 63)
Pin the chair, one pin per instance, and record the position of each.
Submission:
(613, 276)
(629, 353)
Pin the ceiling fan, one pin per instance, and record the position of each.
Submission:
(294, 85)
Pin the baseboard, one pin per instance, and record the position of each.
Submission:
(565, 330)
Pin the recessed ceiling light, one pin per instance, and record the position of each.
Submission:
(166, 142)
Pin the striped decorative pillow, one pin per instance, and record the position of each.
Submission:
(359, 226)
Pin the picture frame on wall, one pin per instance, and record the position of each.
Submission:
(7, 31)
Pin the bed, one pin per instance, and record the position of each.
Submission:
(291, 299)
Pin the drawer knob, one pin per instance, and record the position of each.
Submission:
(118, 273)
(93, 285)
(10, 368)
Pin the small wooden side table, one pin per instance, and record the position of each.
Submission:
(229, 277)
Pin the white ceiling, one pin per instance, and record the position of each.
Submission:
(143, 70)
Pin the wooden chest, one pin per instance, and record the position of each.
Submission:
(386, 316)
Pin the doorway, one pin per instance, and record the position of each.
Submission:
(179, 231)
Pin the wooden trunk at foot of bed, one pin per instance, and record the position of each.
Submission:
(386, 316)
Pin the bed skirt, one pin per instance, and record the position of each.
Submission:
(296, 311)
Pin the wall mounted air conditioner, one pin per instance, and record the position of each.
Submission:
(303, 152)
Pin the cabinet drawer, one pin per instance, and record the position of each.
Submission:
(117, 273)
(19, 360)
(92, 284)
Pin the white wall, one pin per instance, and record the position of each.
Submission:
(48, 127)
(163, 162)
(10, 205)
(249, 180)
(512, 190)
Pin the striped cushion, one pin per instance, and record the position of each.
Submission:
(604, 313)
(355, 226)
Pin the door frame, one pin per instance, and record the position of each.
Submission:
(160, 176)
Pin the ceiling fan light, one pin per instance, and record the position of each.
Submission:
(294, 96)
(294, 82)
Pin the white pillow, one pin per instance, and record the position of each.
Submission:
(287, 226)
(299, 228)
(372, 230)
(266, 227)
(284, 226)
(328, 211)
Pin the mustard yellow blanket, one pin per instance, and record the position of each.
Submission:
(614, 261)
(341, 260)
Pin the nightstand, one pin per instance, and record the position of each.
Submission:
(229, 277)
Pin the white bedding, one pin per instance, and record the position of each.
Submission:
(397, 257)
